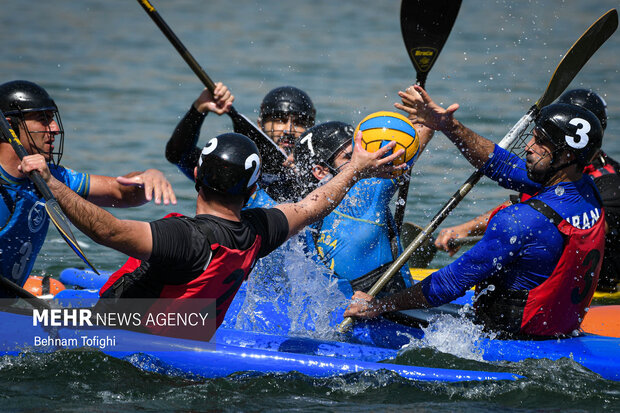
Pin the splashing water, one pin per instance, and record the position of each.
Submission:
(289, 293)
(457, 335)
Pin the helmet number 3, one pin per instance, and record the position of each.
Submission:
(581, 140)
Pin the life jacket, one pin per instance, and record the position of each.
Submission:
(221, 279)
(23, 234)
(594, 172)
(368, 280)
(557, 306)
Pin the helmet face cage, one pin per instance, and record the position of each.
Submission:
(284, 104)
(55, 155)
(320, 145)
(569, 128)
(287, 135)
(19, 98)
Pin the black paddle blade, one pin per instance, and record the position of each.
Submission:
(273, 156)
(62, 224)
(10, 287)
(578, 55)
(426, 25)
(424, 254)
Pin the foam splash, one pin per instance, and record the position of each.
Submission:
(457, 335)
(289, 293)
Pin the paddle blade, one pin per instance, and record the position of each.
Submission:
(273, 156)
(578, 55)
(62, 224)
(425, 253)
(425, 26)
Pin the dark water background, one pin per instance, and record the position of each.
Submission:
(121, 88)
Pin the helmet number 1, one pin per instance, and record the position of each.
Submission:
(583, 127)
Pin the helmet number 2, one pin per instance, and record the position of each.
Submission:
(583, 127)
(253, 161)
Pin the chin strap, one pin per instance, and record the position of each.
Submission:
(553, 169)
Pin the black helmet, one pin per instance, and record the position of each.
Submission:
(21, 96)
(230, 164)
(587, 99)
(320, 144)
(286, 101)
(572, 128)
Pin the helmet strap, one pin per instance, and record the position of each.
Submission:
(553, 169)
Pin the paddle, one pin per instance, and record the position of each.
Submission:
(576, 57)
(30, 298)
(425, 26)
(51, 205)
(423, 256)
(273, 157)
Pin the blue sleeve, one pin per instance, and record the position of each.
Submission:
(78, 182)
(498, 248)
(508, 170)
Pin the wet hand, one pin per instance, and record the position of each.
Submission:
(154, 183)
(420, 108)
(219, 102)
(443, 241)
(362, 306)
(375, 164)
(36, 162)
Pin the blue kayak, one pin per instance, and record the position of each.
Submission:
(231, 351)
(370, 340)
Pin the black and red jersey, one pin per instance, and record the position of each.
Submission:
(200, 257)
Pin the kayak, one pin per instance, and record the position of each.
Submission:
(88, 279)
(232, 351)
(598, 353)
(603, 320)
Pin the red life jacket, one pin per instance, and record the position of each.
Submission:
(220, 280)
(607, 169)
(557, 306)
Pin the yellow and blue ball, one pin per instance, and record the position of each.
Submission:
(380, 128)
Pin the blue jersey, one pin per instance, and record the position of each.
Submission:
(24, 222)
(260, 199)
(520, 243)
(356, 237)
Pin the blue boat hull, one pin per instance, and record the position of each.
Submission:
(257, 353)
(376, 341)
